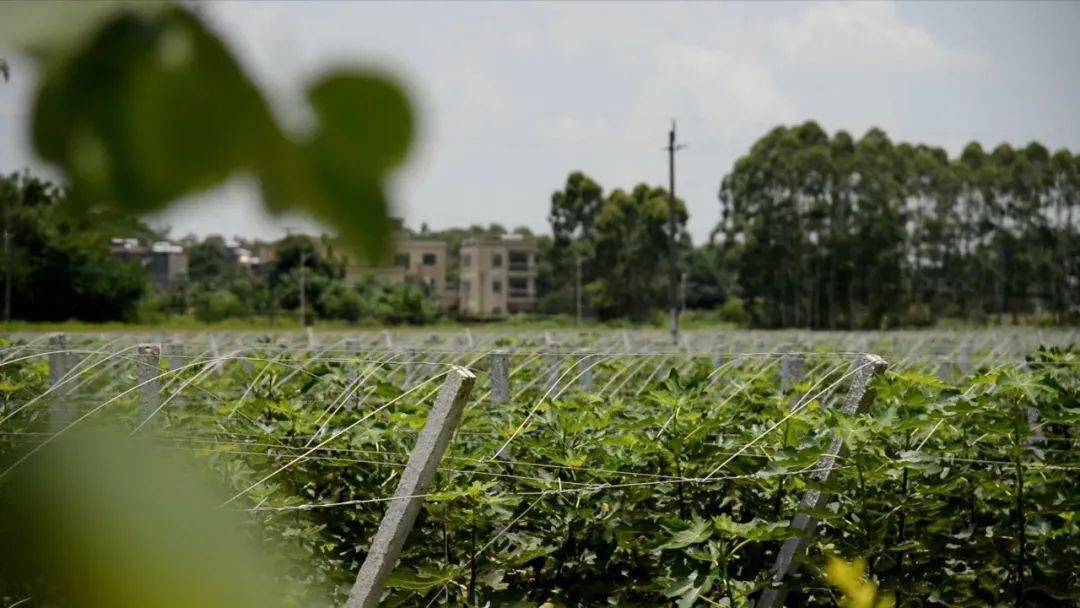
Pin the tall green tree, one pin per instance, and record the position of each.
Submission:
(573, 217)
(631, 236)
(60, 264)
(874, 233)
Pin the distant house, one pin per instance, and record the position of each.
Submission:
(423, 263)
(420, 262)
(165, 262)
(497, 276)
(168, 263)
(245, 258)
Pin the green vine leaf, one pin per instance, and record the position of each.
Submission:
(152, 107)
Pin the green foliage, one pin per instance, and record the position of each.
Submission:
(60, 266)
(948, 491)
(620, 240)
(833, 232)
(209, 260)
(218, 305)
(142, 104)
(733, 311)
(218, 288)
(103, 520)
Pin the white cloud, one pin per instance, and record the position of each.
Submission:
(871, 35)
(717, 85)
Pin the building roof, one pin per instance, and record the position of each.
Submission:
(505, 240)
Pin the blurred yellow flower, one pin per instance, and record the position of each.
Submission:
(850, 578)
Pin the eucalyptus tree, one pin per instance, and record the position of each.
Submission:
(630, 229)
(573, 216)
(829, 231)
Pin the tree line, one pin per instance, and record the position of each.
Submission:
(609, 250)
(56, 261)
(833, 232)
(61, 269)
(818, 231)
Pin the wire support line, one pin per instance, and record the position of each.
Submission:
(794, 411)
(78, 420)
(339, 433)
(588, 488)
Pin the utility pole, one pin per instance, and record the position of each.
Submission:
(303, 285)
(682, 293)
(577, 289)
(7, 249)
(673, 288)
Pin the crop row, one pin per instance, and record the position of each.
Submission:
(604, 478)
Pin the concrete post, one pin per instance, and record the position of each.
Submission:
(858, 399)
(586, 363)
(717, 361)
(792, 371)
(1018, 352)
(402, 510)
(245, 362)
(215, 353)
(174, 352)
(149, 360)
(58, 358)
(965, 358)
(464, 341)
(551, 373)
(60, 411)
(410, 367)
(500, 377)
(945, 370)
(352, 348)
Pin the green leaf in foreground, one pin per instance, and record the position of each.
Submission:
(150, 106)
(698, 532)
(106, 521)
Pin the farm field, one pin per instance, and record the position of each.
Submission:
(608, 467)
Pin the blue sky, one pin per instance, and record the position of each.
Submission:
(512, 97)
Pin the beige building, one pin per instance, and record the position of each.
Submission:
(417, 261)
(497, 276)
(423, 263)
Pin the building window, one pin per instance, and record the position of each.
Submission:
(466, 260)
(430, 259)
(519, 288)
(496, 260)
(401, 260)
(466, 287)
(496, 287)
(519, 260)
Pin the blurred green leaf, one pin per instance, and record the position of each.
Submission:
(151, 107)
(104, 521)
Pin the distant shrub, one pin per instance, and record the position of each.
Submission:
(218, 305)
(734, 311)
